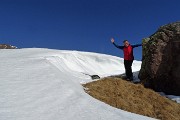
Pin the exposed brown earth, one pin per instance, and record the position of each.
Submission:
(5, 46)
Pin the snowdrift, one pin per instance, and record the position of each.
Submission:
(43, 84)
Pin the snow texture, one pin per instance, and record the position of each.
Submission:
(44, 84)
(172, 97)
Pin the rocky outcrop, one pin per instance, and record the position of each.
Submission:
(5, 46)
(160, 68)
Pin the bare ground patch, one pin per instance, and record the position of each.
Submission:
(133, 98)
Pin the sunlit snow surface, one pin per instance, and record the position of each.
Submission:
(44, 84)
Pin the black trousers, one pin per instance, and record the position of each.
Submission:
(128, 69)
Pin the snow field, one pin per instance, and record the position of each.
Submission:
(43, 84)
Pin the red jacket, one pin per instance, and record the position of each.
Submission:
(128, 51)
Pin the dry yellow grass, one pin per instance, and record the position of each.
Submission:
(133, 98)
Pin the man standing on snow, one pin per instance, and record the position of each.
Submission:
(128, 56)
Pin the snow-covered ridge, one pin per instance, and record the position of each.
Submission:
(45, 84)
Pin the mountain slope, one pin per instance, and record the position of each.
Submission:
(45, 84)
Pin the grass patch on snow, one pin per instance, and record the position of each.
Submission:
(133, 98)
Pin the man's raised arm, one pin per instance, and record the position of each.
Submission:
(120, 47)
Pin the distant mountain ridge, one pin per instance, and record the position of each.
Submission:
(6, 46)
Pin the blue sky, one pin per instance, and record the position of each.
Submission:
(83, 25)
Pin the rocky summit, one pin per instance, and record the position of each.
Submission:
(160, 68)
(5, 46)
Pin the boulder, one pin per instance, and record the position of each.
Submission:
(5, 46)
(160, 69)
